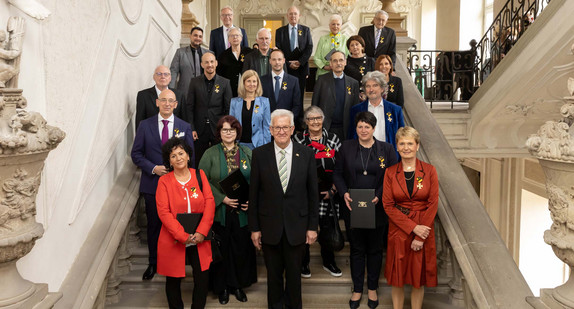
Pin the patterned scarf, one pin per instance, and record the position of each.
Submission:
(230, 154)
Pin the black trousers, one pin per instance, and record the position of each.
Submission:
(366, 248)
(280, 258)
(153, 226)
(204, 140)
(200, 283)
(327, 255)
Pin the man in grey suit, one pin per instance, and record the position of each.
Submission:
(186, 63)
(335, 93)
(207, 101)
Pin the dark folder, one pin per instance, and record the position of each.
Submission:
(363, 209)
(328, 56)
(190, 221)
(235, 186)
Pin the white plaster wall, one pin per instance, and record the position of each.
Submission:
(82, 68)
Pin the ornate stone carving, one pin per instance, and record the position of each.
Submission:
(188, 19)
(405, 6)
(32, 8)
(257, 7)
(11, 42)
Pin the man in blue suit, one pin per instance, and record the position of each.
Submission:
(218, 41)
(151, 134)
(281, 88)
(387, 113)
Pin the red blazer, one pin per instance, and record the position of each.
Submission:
(171, 199)
(403, 265)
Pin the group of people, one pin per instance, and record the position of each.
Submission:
(231, 108)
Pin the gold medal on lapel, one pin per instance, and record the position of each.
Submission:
(420, 182)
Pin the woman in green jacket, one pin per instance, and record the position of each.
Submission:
(237, 269)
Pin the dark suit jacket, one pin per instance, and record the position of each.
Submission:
(324, 97)
(252, 62)
(289, 94)
(272, 211)
(230, 67)
(146, 151)
(183, 68)
(395, 93)
(305, 41)
(198, 107)
(146, 107)
(217, 42)
(393, 122)
(345, 174)
(388, 47)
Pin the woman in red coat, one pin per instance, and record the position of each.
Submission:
(410, 198)
(179, 192)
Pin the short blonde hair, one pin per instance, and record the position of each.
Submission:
(408, 132)
(241, 87)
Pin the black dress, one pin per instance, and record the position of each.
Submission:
(230, 67)
(358, 67)
(395, 91)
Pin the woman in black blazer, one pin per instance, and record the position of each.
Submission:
(395, 95)
(230, 62)
(361, 164)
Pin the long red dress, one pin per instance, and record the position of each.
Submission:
(171, 199)
(404, 265)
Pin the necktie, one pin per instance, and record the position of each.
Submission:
(196, 61)
(277, 87)
(164, 132)
(293, 38)
(283, 170)
(377, 36)
(226, 33)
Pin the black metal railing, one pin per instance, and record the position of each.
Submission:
(507, 27)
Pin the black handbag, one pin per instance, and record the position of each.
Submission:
(330, 235)
(216, 255)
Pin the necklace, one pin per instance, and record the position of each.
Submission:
(413, 175)
(362, 162)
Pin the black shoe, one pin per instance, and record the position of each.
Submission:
(373, 303)
(240, 295)
(305, 271)
(354, 304)
(224, 297)
(149, 272)
(333, 270)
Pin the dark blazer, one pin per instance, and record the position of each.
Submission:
(345, 174)
(183, 68)
(199, 106)
(393, 122)
(217, 42)
(272, 211)
(146, 107)
(230, 67)
(395, 93)
(289, 94)
(305, 42)
(146, 151)
(387, 47)
(252, 62)
(324, 97)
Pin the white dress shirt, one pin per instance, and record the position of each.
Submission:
(169, 125)
(379, 112)
(225, 33)
(280, 78)
(288, 157)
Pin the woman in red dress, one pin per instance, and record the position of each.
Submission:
(179, 192)
(410, 198)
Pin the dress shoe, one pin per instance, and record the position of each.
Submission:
(354, 304)
(373, 304)
(224, 297)
(149, 272)
(240, 295)
(333, 270)
(305, 271)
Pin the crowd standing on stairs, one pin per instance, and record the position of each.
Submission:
(230, 117)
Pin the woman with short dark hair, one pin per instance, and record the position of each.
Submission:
(358, 63)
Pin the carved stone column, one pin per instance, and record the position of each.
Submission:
(395, 19)
(553, 145)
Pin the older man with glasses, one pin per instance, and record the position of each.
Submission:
(218, 40)
(379, 39)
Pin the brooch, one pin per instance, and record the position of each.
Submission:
(256, 109)
(216, 88)
(419, 182)
(244, 164)
(194, 195)
(178, 134)
(327, 152)
(389, 118)
(349, 90)
(392, 87)
(362, 70)
(300, 32)
(381, 40)
(382, 160)
(242, 57)
(284, 85)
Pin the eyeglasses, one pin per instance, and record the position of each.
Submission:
(170, 101)
(160, 74)
(234, 35)
(318, 118)
(228, 131)
(279, 129)
(226, 15)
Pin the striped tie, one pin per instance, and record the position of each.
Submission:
(283, 170)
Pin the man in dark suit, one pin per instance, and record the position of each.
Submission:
(283, 213)
(186, 63)
(379, 40)
(281, 88)
(207, 101)
(146, 154)
(146, 105)
(297, 50)
(218, 41)
(258, 60)
(335, 93)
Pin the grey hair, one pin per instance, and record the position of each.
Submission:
(336, 16)
(382, 12)
(263, 29)
(283, 113)
(236, 29)
(313, 109)
(226, 8)
(376, 76)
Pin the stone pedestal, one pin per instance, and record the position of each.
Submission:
(395, 19)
